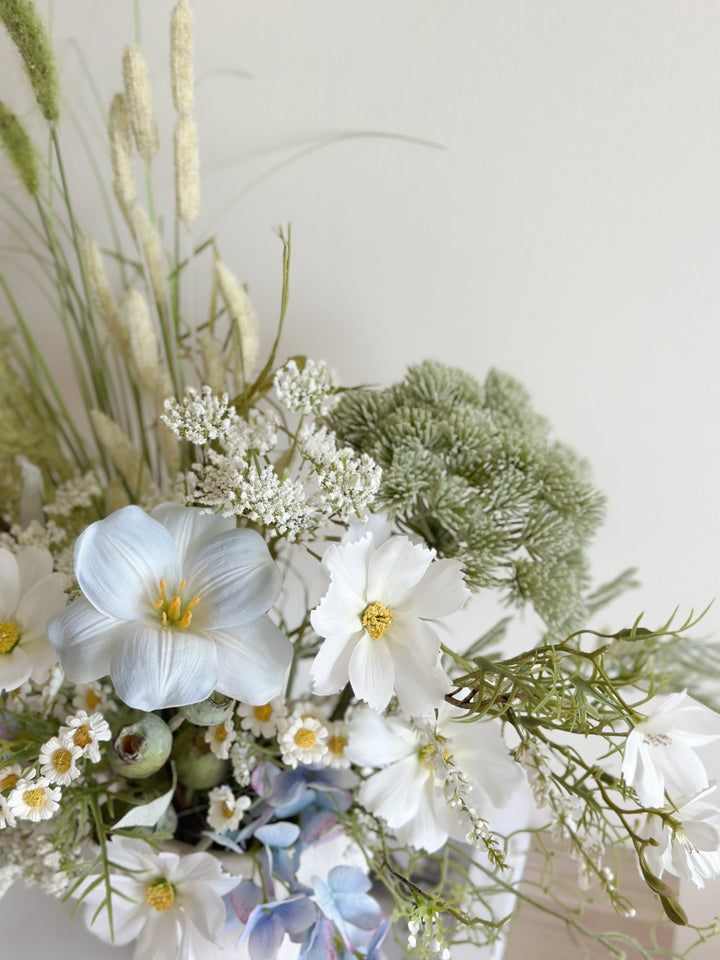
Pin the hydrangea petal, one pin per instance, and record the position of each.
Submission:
(235, 577)
(153, 668)
(84, 639)
(119, 562)
(254, 659)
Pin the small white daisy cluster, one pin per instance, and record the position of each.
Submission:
(221, 738)
(308, 391)
(242, 759)
(29, 854)
(225, 810)
(425, 937)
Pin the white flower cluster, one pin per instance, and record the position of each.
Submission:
(242, 759)
(425, 936)
(198, 417)
(29, 854)
(74, 494)
(308, 391)
(349, 483)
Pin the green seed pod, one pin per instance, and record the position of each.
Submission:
(29, 34)
(19, 148)
(141, 748)
(197, 767)
(208, 713)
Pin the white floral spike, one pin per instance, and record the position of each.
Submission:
(152, 252)
(243, 317)
(181, 57)
(138, 94)
(143, 342)
(101, 296)
(124, 455)
(121, 158)
(187, 170)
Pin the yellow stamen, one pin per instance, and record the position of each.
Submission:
(160, 895)
(427, 755)
(305, 738)
(226, 811)
(262, 714)
(377, 619)
(82, 736)
(171, 611)
(9, 636)
(62, 760)
(34, 798)
(220, 733)
(336, 745)
(92, 699)
(9, 781)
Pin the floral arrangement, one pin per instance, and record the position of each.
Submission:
(233, 712)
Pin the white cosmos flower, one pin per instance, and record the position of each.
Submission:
(691, 848)
(659, 752)
(172, 904)
(374, 621)
(29, 593)
(408, 794)
(174, 607)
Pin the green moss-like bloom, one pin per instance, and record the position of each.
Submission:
(19, 148)
(472, 470)
(28, 32)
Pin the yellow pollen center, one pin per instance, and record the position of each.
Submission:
(34, 798)
(172, 613)
(92, 699)
(82, 736)
(62, 760)
(9, 636)
(9, 781)
(226, 811)
(377, 619)
(427, 755)
(160, 895)
(336, 745)
(305, 738)
(263, 713)
(220, 733)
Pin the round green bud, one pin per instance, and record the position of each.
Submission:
(208, 713)
(197, 767)
(141, 748)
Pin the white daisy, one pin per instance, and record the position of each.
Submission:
(303, 741)
(338, 739)
(172, 904)
(226, 810)
(87, 731)
(221, 738)
(10, 775)
(30, 593)
(374, 621)
(262, 720)
(7, 818)
(174, 608)
(34, 799)
(659, 752)
(58, 760)
(92, 697)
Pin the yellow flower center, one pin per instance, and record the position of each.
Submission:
(220, 733)
(305, 738)
(377, 619)
(92, 699)
(226, 811)
(172, 613)
(160, 895)
(336, 745)
(34, 798)
(263, 713)
(62, 760)
(9, 636)
(82, 736)
(9, 781)
(427, 755)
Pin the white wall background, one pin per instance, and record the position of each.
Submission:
(568, 232)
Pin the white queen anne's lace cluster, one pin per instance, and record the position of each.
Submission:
(308, 391)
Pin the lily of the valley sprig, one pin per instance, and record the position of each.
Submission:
(237, 712)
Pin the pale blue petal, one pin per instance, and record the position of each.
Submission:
(120, 561)
(235, 577)
(281, 834)
(153, 668)
(253, 661)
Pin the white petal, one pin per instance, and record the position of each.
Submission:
(9, 584)
(204, 909)
(128, 917)
(84, 640)
(253, 661)
(338, 614)
(42, 656)
(330, 668)
(347, 565)
(371, 671)
(189, 526)
(441, 591)
(235, 577)
(419, 689)
(424, 831)
(153, 668)
(394, 569)
(120, 561)
(396, 792)
(15, 669)
(44, 598)
(375, 740)
(33, 563)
